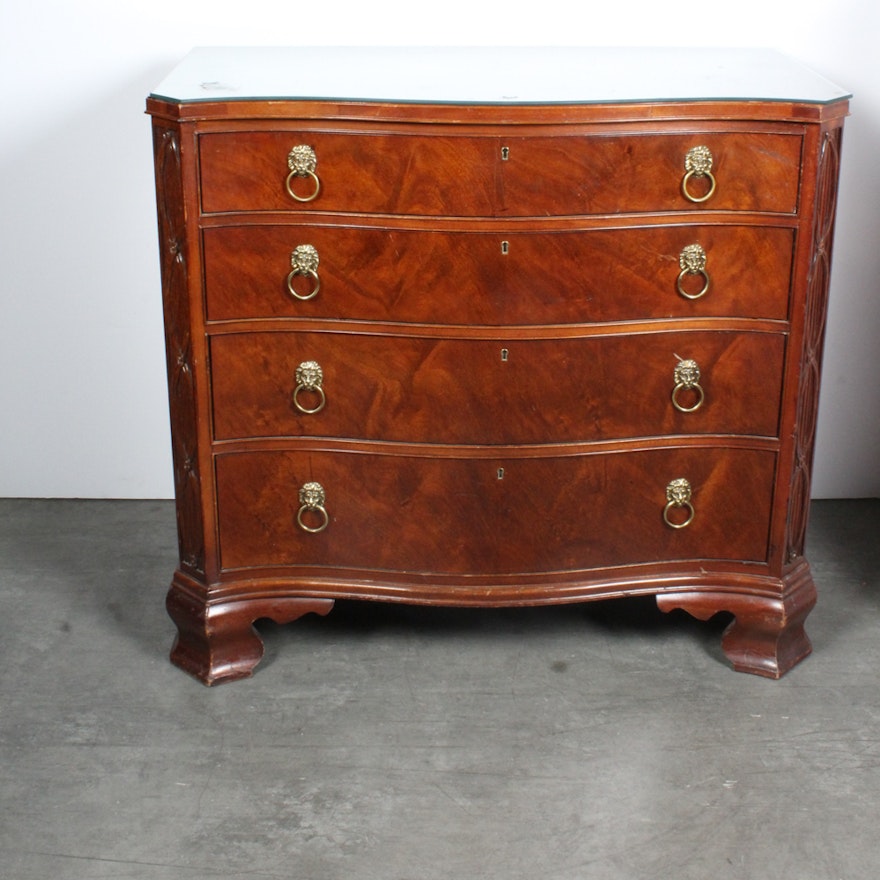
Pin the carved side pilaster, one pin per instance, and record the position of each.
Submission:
(814, 335)
(178, 339)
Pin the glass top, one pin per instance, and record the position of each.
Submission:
(493, 75)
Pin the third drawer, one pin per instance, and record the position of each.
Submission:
(495, 391)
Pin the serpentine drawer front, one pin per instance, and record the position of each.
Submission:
(552, 318)
(449, 390)
(554, 515)
(588, 170)
(506, 276)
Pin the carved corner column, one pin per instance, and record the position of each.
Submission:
(187, 600)
(816, 310)
(174, 255)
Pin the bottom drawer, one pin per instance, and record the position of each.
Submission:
(483, 516)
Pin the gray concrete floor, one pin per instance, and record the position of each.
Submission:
(393, 743)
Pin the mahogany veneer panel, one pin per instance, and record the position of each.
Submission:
(447, 390)
(465, 175)
(455, 516)
(451, 277)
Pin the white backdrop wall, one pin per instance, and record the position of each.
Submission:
(83, 409)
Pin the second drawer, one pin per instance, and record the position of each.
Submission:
(504, 277)
(479, 391)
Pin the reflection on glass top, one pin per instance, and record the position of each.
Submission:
(493, 75)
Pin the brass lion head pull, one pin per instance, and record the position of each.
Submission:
(302, 162)
(678, 495)
(686, 377)
(692, 261)
(304, 261)
(698, 164)
(312, 499)
(309, 379)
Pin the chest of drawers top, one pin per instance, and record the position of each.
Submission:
(514, 76)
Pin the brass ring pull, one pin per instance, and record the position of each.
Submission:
(310, 198)
(312, 499)
(687, 378)
(678, 494)
(304, 261)
(302, 161)
(692, 261)
(309, 377)
(697, 164)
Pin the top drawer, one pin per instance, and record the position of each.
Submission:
(447, 174)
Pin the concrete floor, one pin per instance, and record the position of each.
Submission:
(392, 743)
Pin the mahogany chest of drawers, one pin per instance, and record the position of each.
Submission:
(493, 327)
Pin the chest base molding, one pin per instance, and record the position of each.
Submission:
(217, 641)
